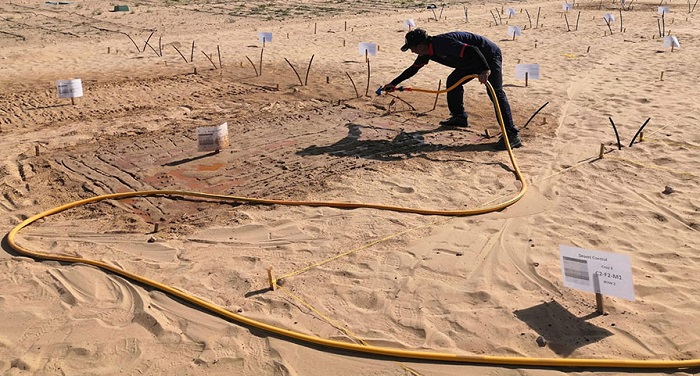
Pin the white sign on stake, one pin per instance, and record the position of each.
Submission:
(510, 12)
(409, 23)
(532, 70)
(567, 6)
(264, 37)
(69, 88)
(599, 272)
(514, 31)
(609, 17)
(671, 41)
(371, 48)
(664, 9)
(212, 138)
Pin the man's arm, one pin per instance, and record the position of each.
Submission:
(409, 72)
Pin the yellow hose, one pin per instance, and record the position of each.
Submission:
(362, 348)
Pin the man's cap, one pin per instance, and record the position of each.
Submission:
(414, 38)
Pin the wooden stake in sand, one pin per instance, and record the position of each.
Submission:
(599, 303)
(368, 74)
(537, 22)
(218, 51)
(437, 95)
(36, 150)
(262, 50)
(270, 279)
(602, 151)
(160, 45)
(662, 76)
(192, 53)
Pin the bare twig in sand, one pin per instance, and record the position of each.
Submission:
(357, 94)
(528, 18)
(639, 131)
(577, 18)
(621, 29)
(617, 135)
(533, 115)
(306, 79)
(148, 39)
(149, 45)
(178, 51)
(210, 60)
(132, 41)
(254, 67)
(399, 98)
(14, 35)
(608, 23)
(295, 71)
(494, 17)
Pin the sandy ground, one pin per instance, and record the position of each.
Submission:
(488, 284)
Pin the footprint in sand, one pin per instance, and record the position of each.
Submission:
(399, 188)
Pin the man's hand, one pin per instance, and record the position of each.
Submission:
(484, 76)
(389, 88)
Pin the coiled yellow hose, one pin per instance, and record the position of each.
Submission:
(362, 348)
